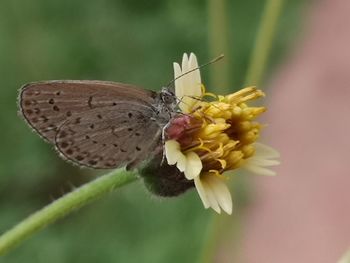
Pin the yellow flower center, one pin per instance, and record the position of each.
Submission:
(221, 132)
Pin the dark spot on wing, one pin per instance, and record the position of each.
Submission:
(90, 102)
(64, 145)
(79, 157)
(92, 162)
(43, 118)
(62, 134)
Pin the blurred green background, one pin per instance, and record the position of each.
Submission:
(132, 41)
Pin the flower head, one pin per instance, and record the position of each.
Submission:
(212, 137)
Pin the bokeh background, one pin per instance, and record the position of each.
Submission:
(136, 41)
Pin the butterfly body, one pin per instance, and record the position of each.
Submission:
(98, 124)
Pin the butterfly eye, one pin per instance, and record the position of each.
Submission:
(168, 97)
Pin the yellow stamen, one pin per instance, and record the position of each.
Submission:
(226, 131)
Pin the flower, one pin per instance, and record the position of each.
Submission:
(212, 137)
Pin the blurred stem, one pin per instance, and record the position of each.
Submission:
(263, 41)
(63, 206)
(220, 80)
(210, 240)
(219, 234)
(218, 44)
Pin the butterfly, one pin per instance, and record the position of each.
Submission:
(98, 124)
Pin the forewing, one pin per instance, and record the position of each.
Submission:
(106, 138)
(46, 106)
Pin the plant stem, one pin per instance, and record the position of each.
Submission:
(218, 44)
(63, 206)
(211, 237)
(220, 80)
(263, 41)
(260, 53)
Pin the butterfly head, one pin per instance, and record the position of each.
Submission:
(168, 98)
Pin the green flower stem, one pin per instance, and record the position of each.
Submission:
(263, 41)
(220, 79)
(218, 44)
(63, 206)
(222, 228)
(211, 237)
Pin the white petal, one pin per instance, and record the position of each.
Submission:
(210, 195)
(174, 155)
(262, 158)
(177, 70)
(192, 61)
(201, 192)
(179, 91)
(188, 85)
(266, 151)
(195, 78)
(172, 150)
(262, 162)
(193, 166)
(221, 192)
(259, 170)
(181, 162)
(185, 104)
(184, 64)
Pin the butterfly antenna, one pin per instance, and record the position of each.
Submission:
(199, 67)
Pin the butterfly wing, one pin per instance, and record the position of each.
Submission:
(105, 138)
(47, 105)
(93, 123)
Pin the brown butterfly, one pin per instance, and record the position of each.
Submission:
(98, 124)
